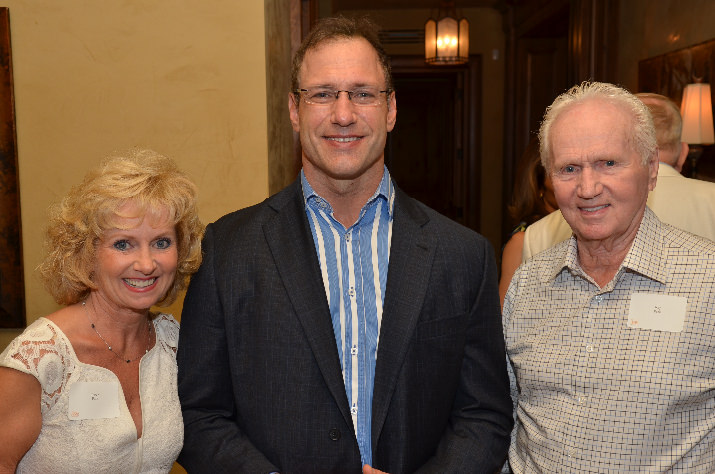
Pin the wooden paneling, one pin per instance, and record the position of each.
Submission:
(541, 76)
(593, 39)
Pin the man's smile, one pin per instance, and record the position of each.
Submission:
(343, 139)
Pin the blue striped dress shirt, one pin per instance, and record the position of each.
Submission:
(353, 263)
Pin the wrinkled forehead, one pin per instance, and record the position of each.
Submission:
(595, 110)
(591, 122)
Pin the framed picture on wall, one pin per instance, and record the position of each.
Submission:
(12, 279)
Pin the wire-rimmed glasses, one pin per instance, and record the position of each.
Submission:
(363, 96)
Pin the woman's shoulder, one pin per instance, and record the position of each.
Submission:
(39, 338)
(44, 352)
(521, 227)
(167, 330)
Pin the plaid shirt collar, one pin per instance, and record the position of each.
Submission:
(644, 257)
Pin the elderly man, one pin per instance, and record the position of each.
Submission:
(679, 201)
(340, 323)
(610, 334)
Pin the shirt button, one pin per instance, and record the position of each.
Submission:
(354, 350)
(334, 434)
(351, 292)
(353, 410)
(589, 348)
(599, 298)
(347, 237)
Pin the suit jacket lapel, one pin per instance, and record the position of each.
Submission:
(411, 254)
(291, 243)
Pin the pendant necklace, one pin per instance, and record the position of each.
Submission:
(109, 346)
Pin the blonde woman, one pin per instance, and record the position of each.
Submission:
(92, 386)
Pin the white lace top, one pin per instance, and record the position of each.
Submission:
(104, 445)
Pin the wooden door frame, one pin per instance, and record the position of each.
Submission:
(12, 280)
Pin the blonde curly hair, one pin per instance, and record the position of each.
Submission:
(147, 179)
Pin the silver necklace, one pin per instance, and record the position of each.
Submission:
(109, 346)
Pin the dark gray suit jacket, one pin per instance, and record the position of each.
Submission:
(260, 382)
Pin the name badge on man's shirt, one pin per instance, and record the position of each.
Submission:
(93, 400)
(657, 312)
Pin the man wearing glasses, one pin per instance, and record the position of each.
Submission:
(340, 326)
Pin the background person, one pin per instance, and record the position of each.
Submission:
(609, 333)
(533, 199)
(92, 387)
(683, 202)
(340, 323)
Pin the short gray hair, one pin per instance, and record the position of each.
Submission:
(668, 124)
(642, 137)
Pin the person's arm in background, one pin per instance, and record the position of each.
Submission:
(510, 260)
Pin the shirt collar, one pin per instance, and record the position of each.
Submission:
(566, 257)
(664, 169)
(385, 190)
(646, 253)
(644, 257)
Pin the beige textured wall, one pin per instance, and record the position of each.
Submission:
(186, 78)
(650, 28)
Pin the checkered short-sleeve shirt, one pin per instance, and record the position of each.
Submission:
(598, 393)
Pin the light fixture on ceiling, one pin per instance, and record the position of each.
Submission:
(697, 112)
(446, 38)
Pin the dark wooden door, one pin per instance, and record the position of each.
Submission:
(541, 76)
(433, 152)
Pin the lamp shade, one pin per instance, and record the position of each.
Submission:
(447, 38)
(697, 112)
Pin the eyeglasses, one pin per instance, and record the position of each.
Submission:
(364, 96)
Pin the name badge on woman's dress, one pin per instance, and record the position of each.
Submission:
(93, 400)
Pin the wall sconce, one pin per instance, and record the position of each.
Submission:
(697, 113)
(446, 38)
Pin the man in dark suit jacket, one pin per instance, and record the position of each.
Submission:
(341, 326)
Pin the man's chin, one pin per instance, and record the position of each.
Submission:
(592, 234)
(350, 171)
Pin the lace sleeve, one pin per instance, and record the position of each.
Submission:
(167, 330)
(43, 352)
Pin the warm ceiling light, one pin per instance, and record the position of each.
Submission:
(446, 38)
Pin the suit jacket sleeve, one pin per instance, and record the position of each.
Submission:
(213, 441)
(477, 435)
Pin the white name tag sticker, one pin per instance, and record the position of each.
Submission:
(657, 312)
(93, 400)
